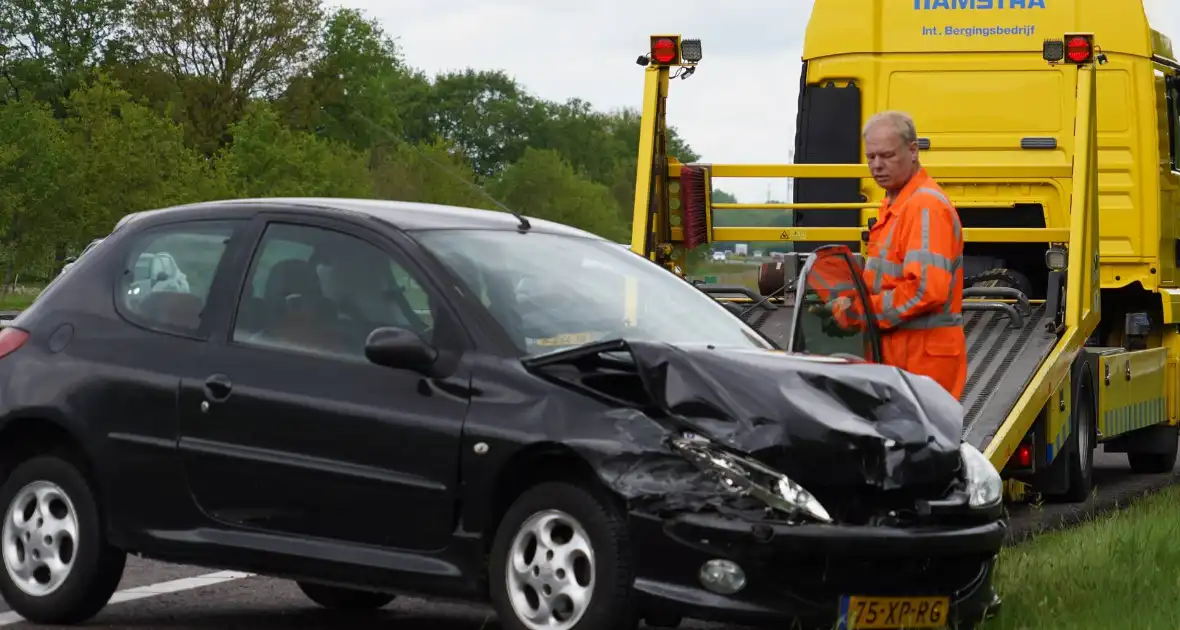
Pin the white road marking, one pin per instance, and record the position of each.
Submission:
(152, 590)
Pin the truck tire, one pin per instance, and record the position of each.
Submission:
(1001, 278)
(1070, 476)
(525, 573)
(1155, 463)
(1080, 468)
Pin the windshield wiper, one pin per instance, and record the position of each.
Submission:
(589, 352)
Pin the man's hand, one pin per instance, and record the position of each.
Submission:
(828, 322)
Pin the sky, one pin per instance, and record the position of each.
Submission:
(739, 106)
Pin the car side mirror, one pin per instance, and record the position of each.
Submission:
(399, 348)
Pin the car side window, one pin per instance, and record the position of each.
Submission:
(313, 289)
(168, 272)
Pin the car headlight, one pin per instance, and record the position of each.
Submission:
(984, 486)
(748, 476)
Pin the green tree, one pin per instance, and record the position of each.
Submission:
(49, 47)
(139, 157)
(487, 115)
(266, 159)
(542, 184)
(358, 89)
(221, 54)
(114, 106)
(427, 173)
(38, 173)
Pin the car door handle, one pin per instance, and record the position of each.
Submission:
(218, 387)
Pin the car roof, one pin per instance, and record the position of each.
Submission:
(404, 215)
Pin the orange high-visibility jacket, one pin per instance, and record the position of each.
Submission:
(914, 273)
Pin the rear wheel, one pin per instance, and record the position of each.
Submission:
(338, 598)
(59, 567)
(561, 560)
(1161, 461)
(1081, 461)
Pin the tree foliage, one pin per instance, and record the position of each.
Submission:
(109, 107)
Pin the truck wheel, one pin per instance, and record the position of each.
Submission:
(562, 560)
(338, 598)
(1154, 463)
(59, 568)
(1081, 460)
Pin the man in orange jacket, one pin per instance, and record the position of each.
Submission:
(914, 260)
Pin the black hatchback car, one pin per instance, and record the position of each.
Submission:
(374, 398)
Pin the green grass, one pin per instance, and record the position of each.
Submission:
(1119, 571)
(20, 299)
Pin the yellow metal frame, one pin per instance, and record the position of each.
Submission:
(655, 91)
(1057, 427)
(1132, 390)
(1082, 303)
(1074, 186)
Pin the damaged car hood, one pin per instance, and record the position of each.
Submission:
(818, 422)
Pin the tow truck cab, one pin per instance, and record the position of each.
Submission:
(1052, 127)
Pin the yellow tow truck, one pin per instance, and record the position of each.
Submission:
(1052, 126)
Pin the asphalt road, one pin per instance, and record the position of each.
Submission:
(230, 602)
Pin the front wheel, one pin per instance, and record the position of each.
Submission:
(58, 566)
(561, 560)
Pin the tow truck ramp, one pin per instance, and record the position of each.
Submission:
(1049, 374)
(1008, 338)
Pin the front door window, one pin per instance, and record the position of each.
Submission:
(830, 313)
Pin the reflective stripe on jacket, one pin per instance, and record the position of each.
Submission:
(914, 273)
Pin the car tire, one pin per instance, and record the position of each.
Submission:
(338, 598)
(52, 495)
(587, 546)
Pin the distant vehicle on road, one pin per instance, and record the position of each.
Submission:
(366, 398)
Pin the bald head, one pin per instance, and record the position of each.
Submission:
(891, 149)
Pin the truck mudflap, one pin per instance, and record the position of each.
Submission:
(1006, 344)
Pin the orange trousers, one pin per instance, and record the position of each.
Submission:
(939, 353)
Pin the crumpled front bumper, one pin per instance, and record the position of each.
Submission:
(799, 572)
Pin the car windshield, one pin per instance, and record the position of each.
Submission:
(552, 292)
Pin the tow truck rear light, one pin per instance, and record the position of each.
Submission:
(1079, 48)
(665, 49)
(1075, 48)
(1024, 456)
(11, 339)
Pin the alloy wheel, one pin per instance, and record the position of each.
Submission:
(40, 537)
(550, 571)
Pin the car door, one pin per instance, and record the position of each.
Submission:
(290, 429)
(140, 359)
(831, 273)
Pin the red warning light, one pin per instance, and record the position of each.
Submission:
(1024, 456)
(1078, 49)
(663, 50)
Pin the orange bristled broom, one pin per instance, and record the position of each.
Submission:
(692, 199)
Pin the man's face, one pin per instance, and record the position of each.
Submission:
(891, 162)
